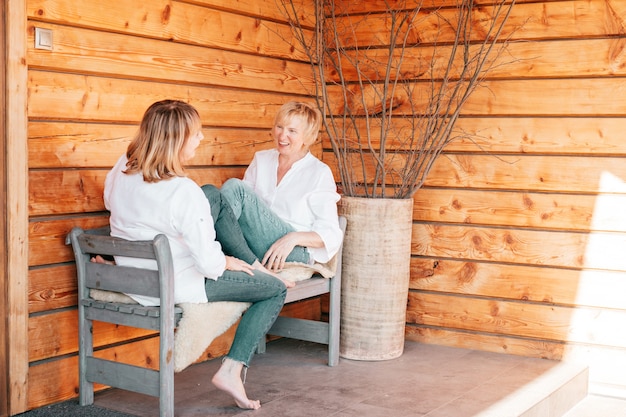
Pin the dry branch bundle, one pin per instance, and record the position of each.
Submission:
(391, 83)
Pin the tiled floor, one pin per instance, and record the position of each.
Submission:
(292, 379)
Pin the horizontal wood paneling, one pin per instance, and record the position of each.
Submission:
(52, 288)
(561, 174)
(516, 235)
(547, 59)
(80, 191)
(57, 380)
(268, 9)
(57, 96)
(573, 212)
(597, 250)
(538, 321)
(379, 6)
(528, 135)
(170, 20)
(47, 237)
(234, 61)
(518, 232)
(72, 145)
(88, 51)
(567, 287)
(56, 334)
(542, 20)
(550, 97)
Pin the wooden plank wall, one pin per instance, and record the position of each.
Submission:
(110, 60)
(16, 188)
(519, 235)
(4, 296)
(516, 239)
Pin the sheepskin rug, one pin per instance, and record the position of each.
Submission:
(203, 322)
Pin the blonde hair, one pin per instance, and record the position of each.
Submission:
(155, 150)
(308, 112)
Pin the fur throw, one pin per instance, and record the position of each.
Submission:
(296, 271)
(200, 324)
(203, 322)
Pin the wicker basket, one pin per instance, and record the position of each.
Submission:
(375, 277)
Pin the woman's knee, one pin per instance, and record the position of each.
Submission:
(210, 191)
(231, 185)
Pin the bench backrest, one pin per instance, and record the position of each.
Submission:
(141, 281)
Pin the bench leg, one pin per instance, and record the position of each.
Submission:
(334, 309)
(85, 349)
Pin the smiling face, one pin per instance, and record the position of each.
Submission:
(289, 137)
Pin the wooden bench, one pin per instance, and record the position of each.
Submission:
(164, 318)
(312, 330)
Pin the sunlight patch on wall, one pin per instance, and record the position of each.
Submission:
(605, 243)
(600, 289)
(610, 208)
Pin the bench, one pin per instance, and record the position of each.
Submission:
(164, 318)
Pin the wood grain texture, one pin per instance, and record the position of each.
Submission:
(84, 98)
(57, 380)
(51, 288)
(516, 236)
(172, 21)
(598, 250)
(537, 321)
(526, 173)
(520, 60)
(555, 211)
(521, 135)
(88, 51)
(15, 196)
(4, 278)
(502, 98)
(528, 21)
(524, 283)
(54, 334)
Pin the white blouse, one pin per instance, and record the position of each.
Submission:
(306, 197)
(177, 208)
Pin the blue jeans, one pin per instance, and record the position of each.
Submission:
(227, 229)
(267, 295)
(265, 292)
(260, 226)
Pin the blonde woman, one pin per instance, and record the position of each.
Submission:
(286, 204)
(147, 192)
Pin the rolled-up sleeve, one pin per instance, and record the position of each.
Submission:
(323, 205)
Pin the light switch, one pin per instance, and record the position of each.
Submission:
(43, 39)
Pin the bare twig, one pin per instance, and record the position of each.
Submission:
(388, 116)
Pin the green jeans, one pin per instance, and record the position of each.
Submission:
(265, 292)
(260, 226)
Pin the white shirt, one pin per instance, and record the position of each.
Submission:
(177, 208)
(306, 197)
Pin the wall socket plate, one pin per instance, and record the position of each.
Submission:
(43, 39)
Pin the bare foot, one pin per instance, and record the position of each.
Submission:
(228, 379)
(100, 260)
(258, 265)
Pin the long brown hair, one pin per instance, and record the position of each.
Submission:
(155, 150)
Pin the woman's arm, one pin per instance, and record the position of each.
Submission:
(276, 255)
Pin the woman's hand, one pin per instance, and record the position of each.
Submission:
(275, 257)
(236, 264)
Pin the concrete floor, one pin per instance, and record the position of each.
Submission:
(292, 379)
